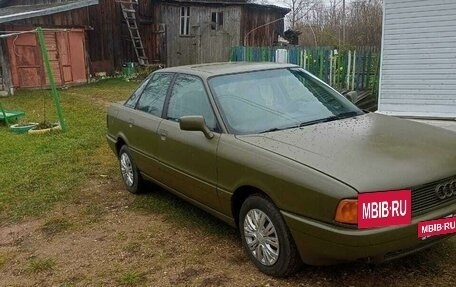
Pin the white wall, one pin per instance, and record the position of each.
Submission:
(418, 71)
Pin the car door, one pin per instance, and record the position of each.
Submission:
(188, 158)
(143, 123)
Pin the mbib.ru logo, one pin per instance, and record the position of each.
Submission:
(384, 208)
(442, 226)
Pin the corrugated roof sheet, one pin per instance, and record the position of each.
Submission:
(14, 13)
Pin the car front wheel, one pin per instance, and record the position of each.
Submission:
(266, 237)
(130, 173)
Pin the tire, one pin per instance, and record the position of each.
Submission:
(281, 257)
(129, 172)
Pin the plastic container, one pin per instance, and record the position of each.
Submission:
(22, 128)
(55, 128)
(128, 69)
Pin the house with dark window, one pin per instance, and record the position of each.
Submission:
(85, 37)
(203, 31)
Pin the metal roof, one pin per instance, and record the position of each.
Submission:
(14, 13)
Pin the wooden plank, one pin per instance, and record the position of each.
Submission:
(47, 11)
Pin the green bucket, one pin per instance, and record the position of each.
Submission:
(128, 70)
(22, 128)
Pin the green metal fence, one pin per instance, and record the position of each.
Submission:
(356, 69)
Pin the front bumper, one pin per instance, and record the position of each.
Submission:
(323, 244)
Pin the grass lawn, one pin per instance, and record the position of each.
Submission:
(38, 170)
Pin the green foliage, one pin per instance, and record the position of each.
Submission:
(131, 278)
(38, 265)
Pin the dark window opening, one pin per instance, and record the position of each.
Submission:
(217, 21)
(185, 21)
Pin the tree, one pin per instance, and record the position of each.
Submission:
(320, 22)
(323, 24)
(299, 10)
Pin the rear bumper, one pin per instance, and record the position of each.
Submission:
(112, 143)
(323, 244)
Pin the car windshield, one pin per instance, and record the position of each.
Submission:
(271, 100)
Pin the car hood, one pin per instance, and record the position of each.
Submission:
(371, 152)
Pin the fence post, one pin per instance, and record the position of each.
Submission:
(354, 70)
(369, 70)
(348, 70)
(330, 67)
(305, 59)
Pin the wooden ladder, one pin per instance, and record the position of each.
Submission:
(129, 13)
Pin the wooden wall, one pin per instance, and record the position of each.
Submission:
(107, 37)
(203, 45)
(109, 45)
(254, 16)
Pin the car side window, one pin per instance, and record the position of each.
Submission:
(131, 102)
(154, 94)
(189, 98)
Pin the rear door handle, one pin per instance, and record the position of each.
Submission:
(163, 134)
(131, 122)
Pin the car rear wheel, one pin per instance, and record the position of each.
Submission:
(266, 237)
(130, 173)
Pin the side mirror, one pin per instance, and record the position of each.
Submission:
(195, 123)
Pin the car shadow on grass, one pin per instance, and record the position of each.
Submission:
(433, 266)
(159, 201)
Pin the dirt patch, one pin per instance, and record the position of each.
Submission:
(97, 239)
(187, 275)
(14, 234)
(218, 280)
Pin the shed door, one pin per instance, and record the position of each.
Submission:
(25, 61)
(66, 56)
(54, 58)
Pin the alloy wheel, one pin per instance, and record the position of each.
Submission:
(127, 169)
(261, 237)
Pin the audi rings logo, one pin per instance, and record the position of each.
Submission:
(446, 190)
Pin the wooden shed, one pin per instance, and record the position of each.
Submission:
(204, 31)
(96, 39)
(21, 59)
(85, 37)
(418, 69)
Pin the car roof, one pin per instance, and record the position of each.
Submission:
(216, 69)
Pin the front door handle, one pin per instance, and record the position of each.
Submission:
(163, 134)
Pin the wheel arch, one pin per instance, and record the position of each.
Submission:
(240, 195)
(120, 141)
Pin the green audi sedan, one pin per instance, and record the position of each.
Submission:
(277, 153)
